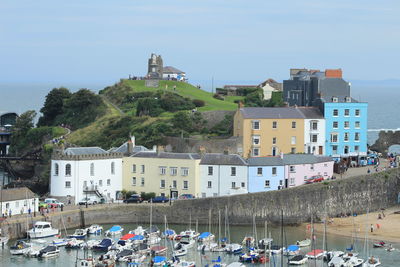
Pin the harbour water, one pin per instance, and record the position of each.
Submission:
(291, 235)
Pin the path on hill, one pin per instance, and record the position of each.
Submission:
(109, 103)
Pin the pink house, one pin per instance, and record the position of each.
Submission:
(299, 167)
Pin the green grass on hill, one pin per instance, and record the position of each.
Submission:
(187, 90)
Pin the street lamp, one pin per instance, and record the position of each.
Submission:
(170, 195)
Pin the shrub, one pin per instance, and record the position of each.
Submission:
(218, 96)
(198, 102)
(147, 196)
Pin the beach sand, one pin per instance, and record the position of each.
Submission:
(388, 230)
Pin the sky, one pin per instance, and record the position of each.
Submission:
(101, 41)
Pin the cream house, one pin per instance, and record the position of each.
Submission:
(163, 173)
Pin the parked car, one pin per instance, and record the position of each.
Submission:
(160, 199)
(53, 203)
(89, 200)
(314, 179)
(135, 198)
(186, 196)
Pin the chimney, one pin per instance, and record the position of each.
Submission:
(240, 105)
(160, 149)
(133, 140)
(130, 147)
(154, 148)
(281, 155)
(202, 150)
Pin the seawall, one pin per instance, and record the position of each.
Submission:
(333, 198)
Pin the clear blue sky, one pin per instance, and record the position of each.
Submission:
(101, 40)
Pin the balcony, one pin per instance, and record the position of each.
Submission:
(90, 188)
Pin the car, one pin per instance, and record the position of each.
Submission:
(159, 199)
(89, 201)
(134, 198)
(314, 179)
(53, 203)
(186, 196)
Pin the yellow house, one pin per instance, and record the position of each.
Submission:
(272, 130)
(162, 173)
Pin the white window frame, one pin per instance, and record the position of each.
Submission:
(142, 169)
(142, 181)
(233, 171)
(346, 124)
(294, 124)
(108, 182)
(254, 123)
(274, 171)
(184, 171)
(210, 170)
(357, 111)
(357, 136)
(335, 111)
(133, 168)
(292, 168)
(258, 171)
(233, 184)
(174, 183)
(293, 140)
(162, 170)
(209, 184)
(185, 185)
(162, 183)
(256, 140)
(274, 140)
(274, 125)
(346, 137)
(67, 182)
(267, 183)
(334, 137)
(173, 171)
(134, 181)
(255, 152)
(357, 124)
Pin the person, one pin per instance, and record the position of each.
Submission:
(368, 171)
(372, 228)
(379, 216)
(10, 213)
(29, 211)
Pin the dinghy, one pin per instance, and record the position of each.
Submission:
(298, 260)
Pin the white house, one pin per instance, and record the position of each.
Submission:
(170, 72)
(314, 135)
(86, 171)
(222, 174)
(269, 86)
(18, 200)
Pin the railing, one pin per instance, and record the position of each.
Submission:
(90, 188)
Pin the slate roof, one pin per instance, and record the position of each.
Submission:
(16, 194)
(124, 148)
(282, 113)
(222, 159)
(296, 159)
(341, 99)
(265, 161)
(84, 151)
(170, 69)
(166, 155)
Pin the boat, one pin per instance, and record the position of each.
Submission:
(105, 261)
(125, 239)
(315, 253)
(207, 246)
(20, 248)
(74, 243)
(298, 260)
(137, 239)
(158, 250)
(180, 263)
(354, 262)
(94, 229)
(336, 261)
(390, 249)
(186, 241)
(103, 245)
(79, 234)
(248, 241)
(159, 261)
(170, 234)
(372, 262)
(292, 250)
(153, 239)
(42, 229)
(379, 244)
(264, 243)
(275, 249)
(205, 236)
(191, 233)
(236, 264)
(152, 230)
(304, 243)
(49, 251)
(115, 230)
(142, 249)
(124, 255)
(138, 231)
(180, 252)
(234, 248)
(60, 242)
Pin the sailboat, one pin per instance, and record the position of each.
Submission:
(371, 261)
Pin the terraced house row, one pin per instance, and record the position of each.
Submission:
(92, 172)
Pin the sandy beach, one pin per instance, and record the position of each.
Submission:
(386, 229)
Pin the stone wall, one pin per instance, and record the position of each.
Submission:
(213, 117)
(385, 140)
(210, 145)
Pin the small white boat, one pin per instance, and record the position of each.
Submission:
(49, 251)
(275, 249)
(94, 229)
(205, 236)
(124, 255)
(315, 253)
(115, 230)
(184, 264)
(304, 243)
(354, 262)
(336, 261)
(60, 242)
(331, 254)
(137, 258)
(372, 262)
(158, 250)
(234, 248)
(21, 247)
(180, 252)
(248, 241)
(34, 250)
(79, 234)
(236, 264)
(138, 231)
(298, 260)
(41, 230)
(292, 250)
(153, 239)
(75, 243)
(191, 233)
(207, 246)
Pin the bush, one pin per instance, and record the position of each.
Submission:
(218, 96)
(147, 196)
(198, 103)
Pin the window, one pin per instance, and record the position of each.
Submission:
(347, 112)
(346, 150)
(112, 167)
(274, 124)
(162, 169)
(274, 171)
(56, 169)
(293, 150)
(184, 171)
(292, 168)
(347, 99)
(134, 181)
(67, 184)
(335, 113)
(209, 184)
(357, 125)
(91, 169)
(293, 125)
(274, 151)
(256, 139)
(174, 184)
(314, 138)
(325, 174)
(185, 184)
(134, 168)
(142, 168)
(256, 152)
(173, 171)
(334, 138)
(162, 184)
(233, 185)
(357, 113)
(274, 140)
(210, 170)
(293, 140)
(346, 124)
(334, 149)
(334, 99)
(68, 170)
(356, 148)
(142, 182)
(233, 171)
(346, 137)
(314, 125)
(291, 181)
(335, 125)
(357, 137)
(100, 182)
(266, 183)
(259, 171)
(109, 182)
(256, 125)
(243, 185)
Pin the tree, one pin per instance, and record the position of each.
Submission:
(20, 130)
(53, 106)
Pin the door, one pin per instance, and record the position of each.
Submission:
(320, 150)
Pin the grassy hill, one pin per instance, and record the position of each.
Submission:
(189, 91)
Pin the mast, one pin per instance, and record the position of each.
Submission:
(265, 245)
(219, 228)
(190, 221)
(197, 225)
(282, 237)
(209, 220)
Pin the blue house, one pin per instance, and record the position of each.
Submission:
(346, 127)
(265, 174)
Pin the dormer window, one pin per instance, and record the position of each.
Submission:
(334, 99)
(347, 99)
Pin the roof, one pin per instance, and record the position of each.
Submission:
(272, 83)
(282, 113)
(265, 161)
(84, 151)
(340, 99)
(222, 159)
(295, 159)
(235, 87)
(16, 194)
(166, 155)
(170, 69)
(124, 148)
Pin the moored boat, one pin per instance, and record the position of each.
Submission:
(124, 255)
(159, 261)
(292, 250)
(205, 236)
(74, 243)
(42, 229)
(298, 260)
(127, 238)
(20, 247)
(103, 245)
(94, 229)
(115, 230)
(79, 234)
(49, 251)
(315, 253)
(372, 262)
(304, 243)
(60, 242)
(158, 250)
